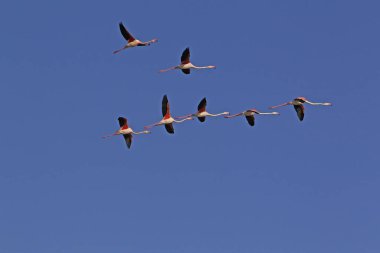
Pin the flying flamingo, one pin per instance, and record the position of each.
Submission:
(126, 131)
(250, 115)
(201, 114)
(132, 42)
(298, 106)
(167, 119)
(186, 65)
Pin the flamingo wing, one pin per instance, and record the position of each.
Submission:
(300, 111)
(186, 71)
(128, 139)
(202, 119)
(123, 122)
(125, 33)
(202, 105)
(185, 58)
(169, 128)
(251, 120)
(165, 106)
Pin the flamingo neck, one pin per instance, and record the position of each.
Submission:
(218, 114)
(204, 67)
(311, 103)
(179, 121)
(269, 113)
(142, 132)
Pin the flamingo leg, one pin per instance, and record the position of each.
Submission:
(153, 125)
(109, 136)
(234, 115)
(165, 70)
(272, 107)
(121, 49)
(184, 116)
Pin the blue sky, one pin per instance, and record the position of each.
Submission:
(221, 186)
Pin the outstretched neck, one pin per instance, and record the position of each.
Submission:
(204, 67)
(218, 114)
(312, 103)
(179, 121)
(269, 113)
(142, 132)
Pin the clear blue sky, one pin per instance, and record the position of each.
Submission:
(221, 186)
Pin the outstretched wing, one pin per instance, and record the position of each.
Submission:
(128, 139)
(186, 71)
(125, 33)
(202, 119)
(251, 120)
(169, 128)
(202, 105)
(165, 106)
(185, 58)
(300, 111)
(123, 122)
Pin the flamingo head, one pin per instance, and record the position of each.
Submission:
(211, 67)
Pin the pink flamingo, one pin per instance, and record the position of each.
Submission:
(167, 119)
(298, 106)
(201, 114)
(250, 115)
(126, 131)
(186, 65)
(132, 42)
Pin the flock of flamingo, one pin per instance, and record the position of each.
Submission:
(185, 66)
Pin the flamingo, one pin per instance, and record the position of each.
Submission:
(250, 115)
(126, 131)
(186, 65)
(298, 106)
(132, 42)
(167, 119)
(201, 114)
